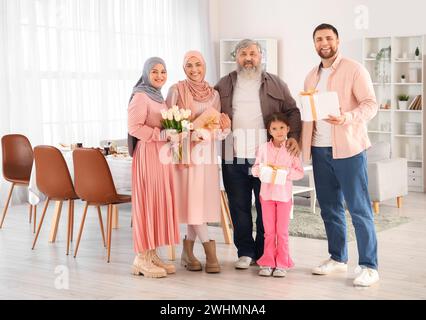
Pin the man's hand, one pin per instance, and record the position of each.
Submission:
(338, 121)
(224, 121)
(293, 147)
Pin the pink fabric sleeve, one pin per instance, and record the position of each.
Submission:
(295, 172)
(364, 93)
(137, 113)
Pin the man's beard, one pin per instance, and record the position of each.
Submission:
(330, 55)
(249, 73)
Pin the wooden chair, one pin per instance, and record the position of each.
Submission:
(54, 180)
(94, 185)
(17, 164)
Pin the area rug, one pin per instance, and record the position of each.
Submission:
(310, 225)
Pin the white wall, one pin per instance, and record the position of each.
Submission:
(292, 23)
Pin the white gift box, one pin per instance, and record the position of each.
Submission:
(269, 174)
(318, 106)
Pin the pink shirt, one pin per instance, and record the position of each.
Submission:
(269, 154)
(358, 104)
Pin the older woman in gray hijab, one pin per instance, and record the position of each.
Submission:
(155, 221)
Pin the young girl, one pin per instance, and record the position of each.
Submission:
(276, 198)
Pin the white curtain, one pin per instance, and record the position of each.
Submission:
(68, 66)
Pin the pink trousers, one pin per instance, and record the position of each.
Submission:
(276, 219)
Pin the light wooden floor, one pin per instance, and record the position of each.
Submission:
(26, 274)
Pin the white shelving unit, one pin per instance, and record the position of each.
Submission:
(390, 124)
(269, 55)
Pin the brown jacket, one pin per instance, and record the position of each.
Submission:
(274, 97)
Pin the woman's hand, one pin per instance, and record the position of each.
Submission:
(176, 137)
(224, 121)
(199, 135)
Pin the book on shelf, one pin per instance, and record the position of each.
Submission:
(416, 104)
(413, 103)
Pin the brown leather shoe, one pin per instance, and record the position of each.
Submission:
(143, 265)
(188, 260)
(170, 268)
(212, 264)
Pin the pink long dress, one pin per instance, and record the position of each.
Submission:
(155, 220)
(197, 188)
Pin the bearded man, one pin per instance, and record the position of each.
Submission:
(248, 96)
(337, 146)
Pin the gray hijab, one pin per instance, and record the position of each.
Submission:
(144, 85)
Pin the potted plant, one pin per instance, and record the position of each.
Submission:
(233, 55)
(417, 54)
(403, 101)
(380, 67)
(403, 80)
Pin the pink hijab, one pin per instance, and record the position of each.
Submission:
(190, 90)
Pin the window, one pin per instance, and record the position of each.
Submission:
(71, 64)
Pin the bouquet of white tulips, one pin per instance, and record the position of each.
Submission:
(176, 120)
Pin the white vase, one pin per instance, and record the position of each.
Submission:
(402, 105)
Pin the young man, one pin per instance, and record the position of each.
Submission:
(337, 146)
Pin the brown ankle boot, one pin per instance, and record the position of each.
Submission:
(143, 265)
(212, 265)
(170, 268)
(188, 260)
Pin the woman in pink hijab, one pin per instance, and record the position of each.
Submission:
(197, 185)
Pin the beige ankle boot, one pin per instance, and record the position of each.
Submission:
(188, 260)
(170, 268)
(143, 265)
(212, 264)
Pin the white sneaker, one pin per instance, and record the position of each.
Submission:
(243, 262)
(367, 277)
(265, 271)
(330, 266)
(279, 273)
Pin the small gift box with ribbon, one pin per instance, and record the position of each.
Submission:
(273, 174)
(318, 106)
(209, 120)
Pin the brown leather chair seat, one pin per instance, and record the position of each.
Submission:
(94, 184)
(54, 180)
(17, 164)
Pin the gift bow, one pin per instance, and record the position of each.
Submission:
(274, 171)
(211, 123)
(311, 93)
